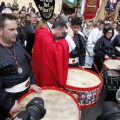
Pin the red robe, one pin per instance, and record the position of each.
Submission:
(53, 56)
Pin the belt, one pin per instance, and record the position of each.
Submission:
(19, 87)
(73, 60)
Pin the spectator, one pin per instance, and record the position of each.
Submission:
(9, 6)
(2, 6)
(30, 9)
(15, 5)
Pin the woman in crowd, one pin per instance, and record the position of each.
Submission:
(104, 49)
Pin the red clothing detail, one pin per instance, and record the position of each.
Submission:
(53, 56)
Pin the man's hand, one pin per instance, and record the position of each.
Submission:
(36, 88)
(16, 107)
(70, 32)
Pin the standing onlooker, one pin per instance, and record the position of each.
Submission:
(24, 8)
(87, 29)
(2, 6)
(16, 13)
(30, 8)
(116, 41)
(38, 16)
(114, 25)
(15, 5)
(96, 33)
(9, 6)
(30, 30)
(22, 13)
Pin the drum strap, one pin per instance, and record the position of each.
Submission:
(40, 65)
(88, 53)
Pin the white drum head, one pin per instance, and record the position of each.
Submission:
(112, 63)
(58, 104)
(82, 79)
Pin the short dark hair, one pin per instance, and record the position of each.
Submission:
(59, 24)
(102, 22)
(76, 21)
(4, 17)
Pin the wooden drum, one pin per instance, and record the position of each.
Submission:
(85, 85)
(59, 104)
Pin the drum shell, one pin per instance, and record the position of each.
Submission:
(87, 97)
(58, 90)
(111, 83)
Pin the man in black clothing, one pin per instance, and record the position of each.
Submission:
(77, 56)
(30, 8)
(16, 76)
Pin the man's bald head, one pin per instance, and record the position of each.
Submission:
(7, 10)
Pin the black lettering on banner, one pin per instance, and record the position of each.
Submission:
(46, 8)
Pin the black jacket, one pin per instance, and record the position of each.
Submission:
(79, 50)
(9, 75)
(104, 47)
(116, 41)
(32, 9)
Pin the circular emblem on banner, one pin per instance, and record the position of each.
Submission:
(46, 8)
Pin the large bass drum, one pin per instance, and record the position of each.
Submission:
(85, 85)
(111, 75)
(59, 104)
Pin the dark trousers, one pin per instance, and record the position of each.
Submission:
(4, 114)
(97, 65)
(30, 43)
(111, 96)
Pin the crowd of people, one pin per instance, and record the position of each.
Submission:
(54, 46)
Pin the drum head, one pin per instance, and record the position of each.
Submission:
(58, 103)
(112, 63)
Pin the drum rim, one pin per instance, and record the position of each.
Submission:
(108, 59)
(86, 88)
(53, 88)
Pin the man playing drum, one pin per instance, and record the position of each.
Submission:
(77, 56)
(16, 76)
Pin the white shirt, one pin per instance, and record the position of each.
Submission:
(94, 35)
